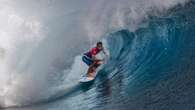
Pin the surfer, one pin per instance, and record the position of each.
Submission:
(90, 59)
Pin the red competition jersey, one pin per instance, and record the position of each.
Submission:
(93, 51)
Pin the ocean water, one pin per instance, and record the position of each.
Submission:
(151, 44)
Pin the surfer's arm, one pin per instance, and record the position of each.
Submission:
(95, 59)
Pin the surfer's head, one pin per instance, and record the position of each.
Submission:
(99, 45)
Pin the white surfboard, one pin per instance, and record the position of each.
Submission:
(87, 79)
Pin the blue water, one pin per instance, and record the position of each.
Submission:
(149, 69)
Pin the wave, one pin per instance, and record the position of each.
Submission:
(152, 61)
(144, 49)
(152, 49)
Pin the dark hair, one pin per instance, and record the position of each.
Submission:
(99, 43)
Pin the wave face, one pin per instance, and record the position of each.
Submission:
(151, 65)
(155, 63)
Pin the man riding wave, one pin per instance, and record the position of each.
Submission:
(90, 59)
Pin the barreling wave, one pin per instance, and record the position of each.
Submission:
(143, 60)
(154, 59)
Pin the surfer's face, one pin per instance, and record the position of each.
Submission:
(99, 46)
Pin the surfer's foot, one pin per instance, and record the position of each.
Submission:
(91, 74)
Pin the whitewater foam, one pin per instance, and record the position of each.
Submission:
(107, 16)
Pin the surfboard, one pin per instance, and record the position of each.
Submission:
(85, 79)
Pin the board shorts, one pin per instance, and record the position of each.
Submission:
(87, 60)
